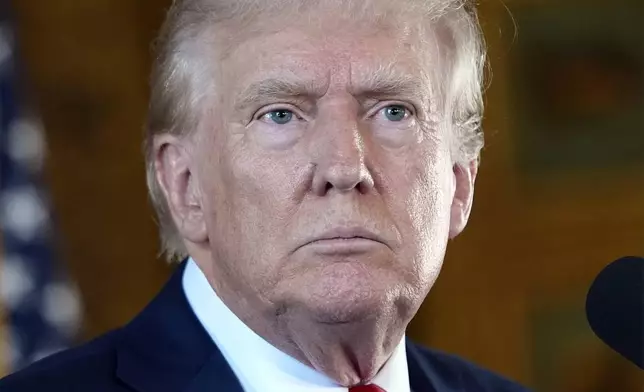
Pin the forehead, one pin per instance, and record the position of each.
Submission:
(332, 50)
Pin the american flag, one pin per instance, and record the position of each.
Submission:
(39, 308)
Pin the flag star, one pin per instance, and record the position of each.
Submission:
(26, 144)
(16, 281)
(23, 213)
(61, 308)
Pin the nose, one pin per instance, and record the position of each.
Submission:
(339, 154)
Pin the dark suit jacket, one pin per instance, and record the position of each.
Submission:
(166, 349)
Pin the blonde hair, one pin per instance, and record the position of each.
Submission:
(181, 76)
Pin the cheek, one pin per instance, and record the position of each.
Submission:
(428, 209)
(428, 201)
(261, 195)
(243, 216)
(264, 200)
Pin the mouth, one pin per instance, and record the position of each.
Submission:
(345, 241)
(336, 246)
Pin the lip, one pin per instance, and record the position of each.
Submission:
(345, 240)
(343, 246)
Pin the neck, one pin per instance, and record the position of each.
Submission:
(350, 353)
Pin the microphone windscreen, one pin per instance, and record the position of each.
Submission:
(615, 307)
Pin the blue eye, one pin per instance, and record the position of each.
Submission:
(280, 116)
(395, 112)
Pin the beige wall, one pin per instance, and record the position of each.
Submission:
(531, 243)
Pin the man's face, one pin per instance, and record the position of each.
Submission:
(325, 182)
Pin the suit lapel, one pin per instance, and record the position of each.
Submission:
(215, 373)
(165, 348)
(422, 376)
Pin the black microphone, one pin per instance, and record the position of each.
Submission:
(615, 307)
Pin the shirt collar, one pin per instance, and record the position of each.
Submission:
(260, 366)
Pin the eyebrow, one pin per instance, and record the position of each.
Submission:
(381, 83)
(395, 86)
(273, 88)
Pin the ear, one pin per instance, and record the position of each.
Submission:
(464, 176)
(176, 177)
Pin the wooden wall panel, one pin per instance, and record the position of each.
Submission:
(531, 241)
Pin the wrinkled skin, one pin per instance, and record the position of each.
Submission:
(350, 142)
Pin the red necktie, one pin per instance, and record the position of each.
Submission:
(366, 388)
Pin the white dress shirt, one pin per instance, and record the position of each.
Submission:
(258, 365)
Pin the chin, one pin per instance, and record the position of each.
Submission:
(346, 293)
(344, 314)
